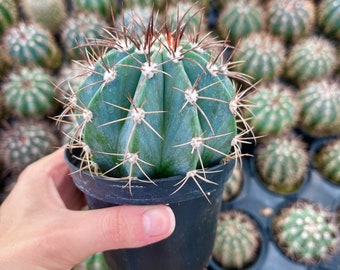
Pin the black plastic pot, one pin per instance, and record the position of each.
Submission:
(190, 246)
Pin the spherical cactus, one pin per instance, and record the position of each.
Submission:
(105, 8)
(282, 163)
(329, 14)
(8, 14)
(290, 19)
(306, 232)
(156, 105)
(49, 13)
(238, 240)
(26, 142)
(238, 19)
(32, 44)
(94, 262)
(78, 31)
(320, 108)
(310, 59)
(234, 185)
(30, 92)
(327, 160)
(157, 4)
(261, 56)
(274, 111)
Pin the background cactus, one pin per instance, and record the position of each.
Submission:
(327, 160)
(238, 19)
(290, 19)
(8, 14)
(320, 108)
(237, 241)
(105, 8)
(32, 44)
(29, 92)
(234, 185)
(306, 232)
(261, 56)
(282, 163)
(329, 14)
(310, 59)
(94, 262)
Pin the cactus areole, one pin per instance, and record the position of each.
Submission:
(155, 105)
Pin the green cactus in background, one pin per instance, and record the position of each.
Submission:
(237, 241)
(320, 108)
(310, 59)
(8, 14)
(156, 105)
(275, 109)
(49, 13)
(282, 163)
(327, 160)
(261, 56)
(78, 31)
(105, 8)
(290, 19)
(26, 142)
(306, 232)
(329, 14)
(157, 4)
(32, 44)
(238, 19)
(94, 262)
(234, 185)
(29, 92)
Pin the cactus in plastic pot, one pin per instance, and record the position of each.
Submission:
(157, 114)
(306, 232)
(8, 14)
(328, 18)
(238, 240)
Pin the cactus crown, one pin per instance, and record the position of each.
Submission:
(156, 105)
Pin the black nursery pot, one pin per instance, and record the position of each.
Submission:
(191, 244)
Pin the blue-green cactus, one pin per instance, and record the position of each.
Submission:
(328, 19)
(105, 8)
(9, 14)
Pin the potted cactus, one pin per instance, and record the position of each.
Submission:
(156, 121)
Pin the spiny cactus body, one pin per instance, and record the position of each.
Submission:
(238, 19)
(157, 4)
(31, 44)
(105, 8)
(327, 160)
(306, 232)
(282, 163)
(290, 19)
(94, 262)
(234, 185)
(320, 108)
(237, 241)
(329, 14)
(8, 14)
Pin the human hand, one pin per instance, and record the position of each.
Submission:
(41, 227)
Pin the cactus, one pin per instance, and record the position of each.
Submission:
(320, 108)
(239, 19)
(329, 14)
(8, 14)
(29, 92)
(327, 160)
(105, 8)
(275, 109)
(156, 105)
(32, 44)
(234, 185)
(94, 262)
(49, 13)
(290, 19)
(282, 163)
(157, 4)
(26, 142)
(238, 240)
(310, 59)
(306, 232)
(261, 56)
(78, 31)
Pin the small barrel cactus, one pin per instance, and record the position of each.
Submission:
(238, 240)
(94, 262)
(327, 160)
(290, 19)
(234, 185)
(282, 163)
(26, 142)
(49, 13)
(320, 108)
(156, 105)
(29, 92)
(329, 14)
(8, 14)
(306, 232)
(261, 56)
(312, 58)
(157, 4)
(238, 19)
(105, 8)
(275, 109)
(32, 44)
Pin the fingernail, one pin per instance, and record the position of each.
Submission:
(159, 221)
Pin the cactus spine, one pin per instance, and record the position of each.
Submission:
(329, 14)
